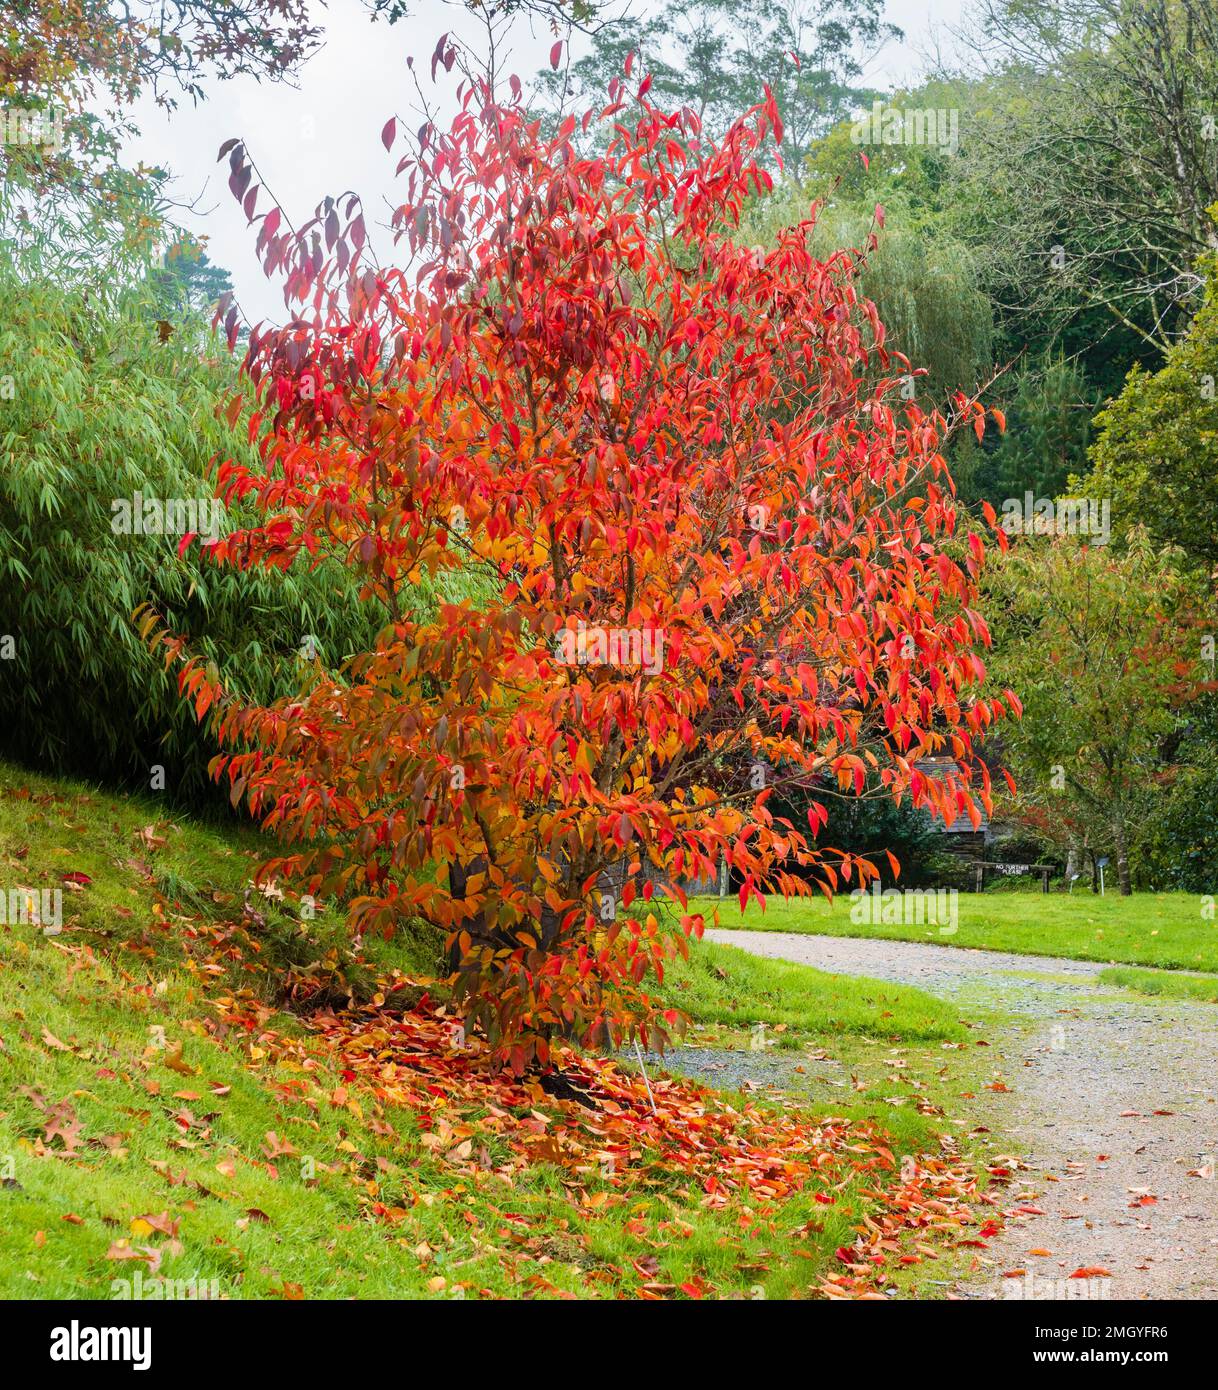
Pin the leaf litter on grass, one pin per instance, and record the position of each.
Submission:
(592, 1118)
(609, 1137)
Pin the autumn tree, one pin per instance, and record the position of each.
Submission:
(71, 70)
(712, 545)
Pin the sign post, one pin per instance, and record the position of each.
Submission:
(979, 867)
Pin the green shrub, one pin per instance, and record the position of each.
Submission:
(1156, 455)
(1177, 837)
(94, 408)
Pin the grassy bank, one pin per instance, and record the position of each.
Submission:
(188, 1095)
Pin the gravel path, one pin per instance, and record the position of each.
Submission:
(1111, 1103)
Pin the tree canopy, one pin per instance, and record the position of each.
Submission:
(712, 539)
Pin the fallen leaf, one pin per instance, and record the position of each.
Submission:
(173, 1060)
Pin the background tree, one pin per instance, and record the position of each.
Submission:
(1100, 153)
(718, 55)
(911, 181)
(1156, 454)
(188, 282)
(1104, 646)
(1048, 405)
(1087, 142)
(1178, 839)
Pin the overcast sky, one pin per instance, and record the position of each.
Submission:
(323, 135)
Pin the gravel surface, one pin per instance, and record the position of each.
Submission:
(1086, 1077)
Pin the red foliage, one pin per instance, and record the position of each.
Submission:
(701, 537)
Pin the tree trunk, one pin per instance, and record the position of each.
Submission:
(1121, 845)
(458, 876)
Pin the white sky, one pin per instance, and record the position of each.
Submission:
(323, 135)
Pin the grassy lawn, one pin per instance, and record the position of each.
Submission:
(164, 1110)
(1154, 982)
(874, 1051)
(724, 985)
(1155, 929)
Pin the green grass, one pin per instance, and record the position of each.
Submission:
(90, 1020)
(1154, 929)
(303, 1222)
(724, 985)
(1170, 986)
